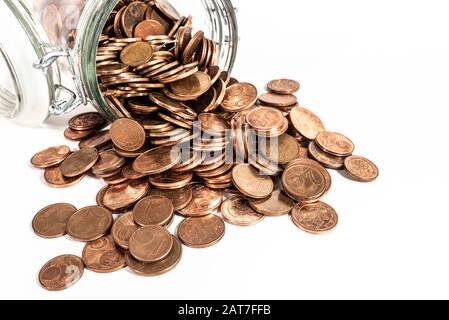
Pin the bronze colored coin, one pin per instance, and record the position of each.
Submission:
(122, 230)
(148, 28)
(130, 154)
(283, 86)
(278, 100)
(179, 197)
(306, 122)
(157, 268)
(171, 180)
(249, 182)
(204, 201)
(90, 223)
(281, 150)
(98, 140)
(128, 134)
(239, 97)
(361, 169)
(79, 162)
(54, 178)
(136, 54)
(194, 85)
(326, 159)
(167, 9)
(86, 121)
(102, 256)
(213, 124)
(232, 81)
(108, 161)
(133, 14)
(61, 272)
(192, 47)
(237, 211)
(118, 178)
(153, 211)
(315, 218)
(201, 232)
(51, 221)
(113, 68)
(100, 196)
(303, 152)
(77, 135)
(131, 174)
(226, 77)
(166, 103)
(265, 118)
(214, 73)
(206, 101)
(335, 144)
(157, 160)
(121, 196)
(50, 157)
(275, 206)
(150, 244)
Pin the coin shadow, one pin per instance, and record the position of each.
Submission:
(344, 174)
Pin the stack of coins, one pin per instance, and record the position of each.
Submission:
(205, 147)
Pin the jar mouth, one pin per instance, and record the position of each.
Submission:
(10, 91)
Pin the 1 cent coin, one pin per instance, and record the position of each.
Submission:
(306, 122)
(153, 211)
(51, 221)
(326, 159)
(315, 218)
(157, 160)
(179, 197)
(361, 169)
(123, 195)
(192, 86)
(278, 100)
(79, 162)
(128, 134)
(204, 201)
(335, 144)
(89, 224)
(148, 28)
(237, 211)
(249, 182)
(102, 256)
(50, 157)
(123, 229)
(150, 244)
(137, 53)
(239, 97)
(276, 205)
(54, 178)
(61, 272)
(201, 232)
(283, 86)
(86, 121)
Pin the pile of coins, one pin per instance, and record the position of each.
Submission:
(205, 147)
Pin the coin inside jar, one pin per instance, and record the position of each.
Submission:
(136, 53)
(61, 272)
(237, 211)
(128, 134)
(192, 86)
(123, 229)
(89, 224)
(249, 182)
(204, 201)
(315, 218)
(50, 157)
(201, 232)
(150, 244)
(79, 162)
(153, 210)
(103, 256)
(51, 221)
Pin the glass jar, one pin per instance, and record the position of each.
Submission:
(47, 71)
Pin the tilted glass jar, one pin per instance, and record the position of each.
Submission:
(40, 78)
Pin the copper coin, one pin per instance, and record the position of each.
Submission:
(132, 15)
(278, 100)
(77, 135)
(96, 141)
(108, 161)
(171, 180)
(151, 269)
(89, 224)
(54, 178)
(102, 256)
(154, 13)
(167, 9)
(265, 118)
(335, 144)
(192, 47)
(201, 232)
(326, 159)
(276, 205)
(79, 162)
(86, 121)
(193, 86)
(306, 123)
(249, 182)
(281, 150)
(128, 134)
(237, 211)
(283, 86)
(213, 124)
(123, 195)
(180, 198)
(50, 157)
(131, 174)
(150, 244)
(61, 272)
(100, 196)
(204, 201)
(239, 97)
(148, 28)
(315, 218)
(136, 54)
(51, 221)
(157, 160)
(118, 178)
(361, 169)
(153, 211)
(122, 230)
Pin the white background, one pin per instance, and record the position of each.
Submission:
(377, 71)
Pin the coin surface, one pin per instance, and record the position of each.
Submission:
(54, 178)
(157, 268)
(123, 195)
(102, 256)
(171, 180)
(326, 159)
(79, 162)
(128, 134)
(180, 197)
(51, 221)
(86, 121)
(136, 53)
(306, 123)
(237, 211)
(281, 150)
(61, 272)
(201, 232)
(122, 230)
(239, 97)
(283, 86)
(153, 211)
(204, 201)
(278, 100)
(335, 144)
(265, 118)
(50, 157)
(361, 169)
(157, 160)
(150, 244)
(108, 161)
(89, 224)
(148, 28)
(276, 205)
(96, 141)
(249, 182)
(131, 16)
(77, 135)
(315, 218)
(192, 86)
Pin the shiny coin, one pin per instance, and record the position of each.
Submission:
(122, 230)
(167, 9)
(281, 150)
(153, 211)
(89, 224)
(326, 159)
(204, 201)
(86, 121)
(335, 144)
(131, 174)
(54, 178)
(136, 54)
(108, 161)
(171, 180)
(77, 135)
(264, 119)
(306, 123)
(79, 162)
(239, 97)
(180, 198)
(96, 141)
(128, 134)
(51, 221)
(150, 244)
(50, 157)
(61, 272)
(315, 218)
(131, 16)
(121, 196)
(201, 232)
(148, 28)
(237, 211)
(157, 160)
(361, 169)
(274, 206)
(102, 256)
(283, 86)
(248, 181)
(278, 100)
(192, 86)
